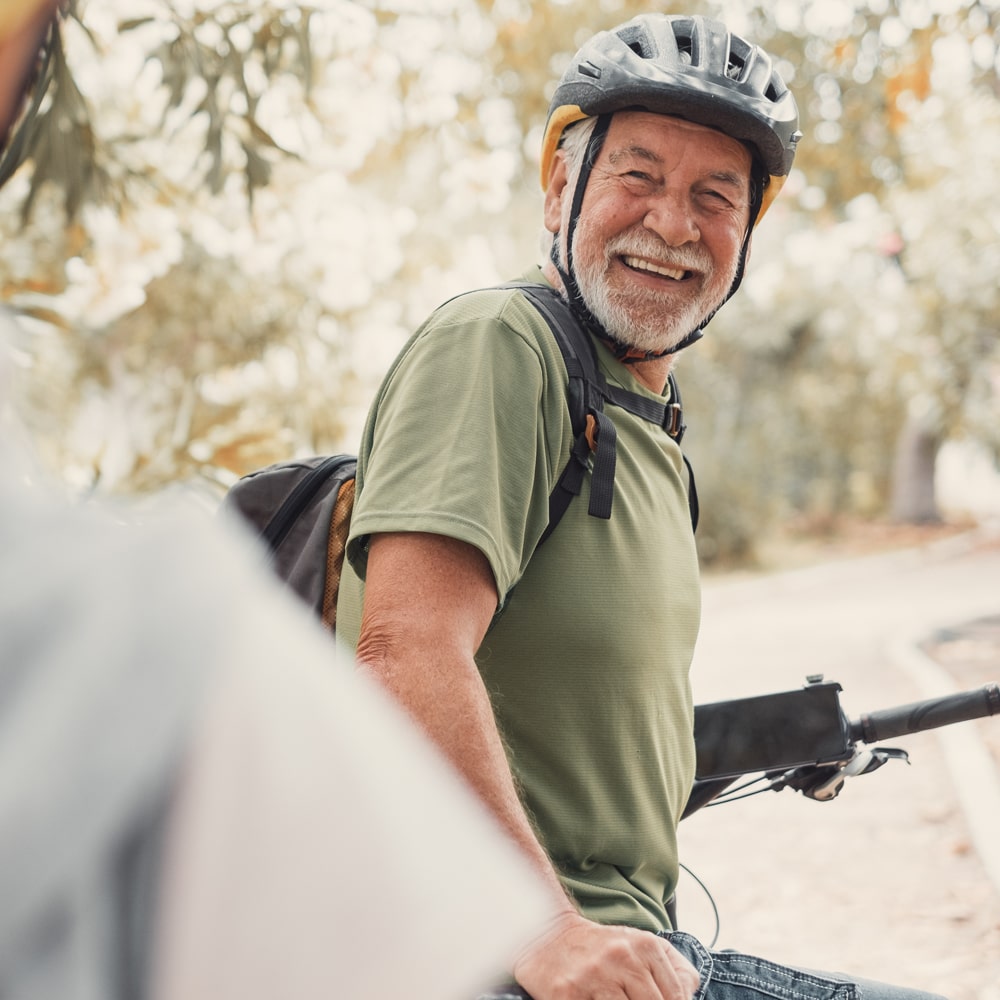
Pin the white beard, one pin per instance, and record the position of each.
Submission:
(640, 318)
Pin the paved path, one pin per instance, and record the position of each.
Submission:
(887, 881)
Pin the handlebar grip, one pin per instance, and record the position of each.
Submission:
(930, 714)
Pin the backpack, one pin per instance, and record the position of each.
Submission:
(301, 508)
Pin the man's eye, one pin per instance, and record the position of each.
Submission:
(717, 197)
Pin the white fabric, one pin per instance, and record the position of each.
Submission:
(321, 850)
(317, 847)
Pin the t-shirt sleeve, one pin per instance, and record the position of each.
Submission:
(465, 437)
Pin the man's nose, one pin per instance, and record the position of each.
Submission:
(670, 217)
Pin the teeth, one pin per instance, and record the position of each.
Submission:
(641, 264)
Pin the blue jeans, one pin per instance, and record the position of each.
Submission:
(730, 975)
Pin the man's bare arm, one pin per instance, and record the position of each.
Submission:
(429, 600)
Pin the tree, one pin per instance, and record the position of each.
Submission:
(281, 192)
(222, 296)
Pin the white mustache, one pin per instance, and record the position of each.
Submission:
(641, 244)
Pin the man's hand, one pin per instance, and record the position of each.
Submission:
(580, 960)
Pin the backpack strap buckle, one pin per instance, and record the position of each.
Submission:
(673, 420)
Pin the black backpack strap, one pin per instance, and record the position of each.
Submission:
(592, 428)
(693, 507)
(587, 393)
(669, 415)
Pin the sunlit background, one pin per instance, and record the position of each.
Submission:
(236, 212)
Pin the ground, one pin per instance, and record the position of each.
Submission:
(888, 881)
(810, 543)
(969, 652)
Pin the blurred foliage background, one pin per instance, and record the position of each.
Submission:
(230, 214)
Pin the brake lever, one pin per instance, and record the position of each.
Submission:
(824, 782)
(880, 755)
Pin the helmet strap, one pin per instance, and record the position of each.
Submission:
(761, 178)
(568, 273)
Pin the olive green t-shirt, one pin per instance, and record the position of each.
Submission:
(587, 661)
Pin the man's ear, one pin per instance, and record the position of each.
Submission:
(557, 187)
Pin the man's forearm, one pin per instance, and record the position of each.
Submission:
(429, 600)
(450, 704)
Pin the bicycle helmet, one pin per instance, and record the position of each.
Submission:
(687, 67)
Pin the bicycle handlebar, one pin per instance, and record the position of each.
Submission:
(712, 788)
(933, 713)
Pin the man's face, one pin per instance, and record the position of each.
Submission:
(658, 240)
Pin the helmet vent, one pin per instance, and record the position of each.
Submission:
(636, 37)
(694, 67)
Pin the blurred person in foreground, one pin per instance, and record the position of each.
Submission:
(555, 676)
(198, 799)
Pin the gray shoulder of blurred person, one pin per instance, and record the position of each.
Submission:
(107, 642)
(111, 634)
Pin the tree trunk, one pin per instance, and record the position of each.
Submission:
(914, 500)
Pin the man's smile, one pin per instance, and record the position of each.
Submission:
(642, 264)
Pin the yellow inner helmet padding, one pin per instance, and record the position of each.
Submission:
(558, 122)
(774, 186)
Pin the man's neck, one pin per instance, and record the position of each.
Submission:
(653, 373)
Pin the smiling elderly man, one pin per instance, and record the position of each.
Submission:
(555, 676)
